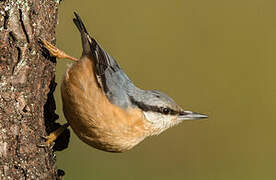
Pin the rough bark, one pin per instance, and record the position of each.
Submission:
(26, 88)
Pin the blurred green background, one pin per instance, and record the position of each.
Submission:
(216, 57)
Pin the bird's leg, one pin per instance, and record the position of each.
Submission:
(54, 135)
(57, 52)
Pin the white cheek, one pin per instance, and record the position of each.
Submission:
(160, 122)
(152, 117)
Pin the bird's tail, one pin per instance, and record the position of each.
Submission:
(88, 43)
(90, 47)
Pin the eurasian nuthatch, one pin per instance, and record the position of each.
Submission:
(104, 108)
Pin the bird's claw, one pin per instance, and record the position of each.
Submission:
(49, 141)
(53, 136)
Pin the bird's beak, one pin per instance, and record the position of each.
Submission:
(188, 115)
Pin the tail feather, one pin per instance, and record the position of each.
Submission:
(90, 46)
(78, 22)
(87, 41)
(103, 61)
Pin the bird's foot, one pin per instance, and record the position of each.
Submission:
(50, 139)
(57, 52)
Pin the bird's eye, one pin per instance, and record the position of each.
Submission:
(165, 111)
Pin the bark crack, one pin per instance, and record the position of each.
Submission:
(6, 17)
(12, 37)
(18, 58)
(23, 26)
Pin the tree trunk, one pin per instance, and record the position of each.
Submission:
(26, 88)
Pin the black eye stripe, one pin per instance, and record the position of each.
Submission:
(167, 110)
(162, 110)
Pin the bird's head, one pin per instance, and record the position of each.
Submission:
(162, 111)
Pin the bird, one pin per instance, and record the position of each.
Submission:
(104, 107)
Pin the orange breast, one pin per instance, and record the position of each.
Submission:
(93, 118)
